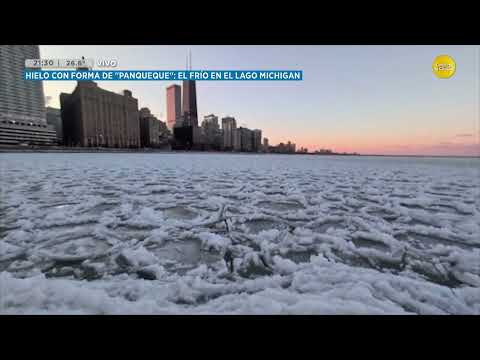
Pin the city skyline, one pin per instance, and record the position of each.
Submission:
(370, 100)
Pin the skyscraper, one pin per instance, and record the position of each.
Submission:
(243, 139)
(22, 103)
(210, 126)
(237, 139)
(174, 105)
(212, 132)
(257, 140)
(149, 129)
(189, 100)
(20, 99)
(189, 105)
(228, 126)
(187, 134)
(265, 145)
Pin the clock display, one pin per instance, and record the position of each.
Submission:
(59, 63)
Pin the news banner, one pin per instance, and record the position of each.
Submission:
(80, 70)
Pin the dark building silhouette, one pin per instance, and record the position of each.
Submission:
(183, 138)
(187, 133)
(54, 119)
(212, 134)
(257, 140)
(265, 145)
(229, 125)
(189, 103)
(149, 129)
(282, 148)
(243, 140)
(93, 116)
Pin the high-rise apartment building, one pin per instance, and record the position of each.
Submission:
(257, 140)
(22, 103)
(228, 126)
(265, 145)
(243, 140)
(212, 133)
(174, 105)
(149, 129)
(20, 100)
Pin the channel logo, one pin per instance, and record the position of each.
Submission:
(444, 66)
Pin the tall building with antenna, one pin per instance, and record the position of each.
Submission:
(187, 134)
(189, 99)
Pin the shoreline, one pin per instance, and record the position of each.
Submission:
(160, 151)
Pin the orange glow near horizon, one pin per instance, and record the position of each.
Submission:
(454, 145)
(445, 149)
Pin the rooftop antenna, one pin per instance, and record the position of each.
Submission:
(190, 56)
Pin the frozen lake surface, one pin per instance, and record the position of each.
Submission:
(149, 233)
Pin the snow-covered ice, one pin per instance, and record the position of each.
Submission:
(157, 233)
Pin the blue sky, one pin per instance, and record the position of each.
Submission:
(369, 99)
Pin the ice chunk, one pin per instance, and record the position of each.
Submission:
(136, 257)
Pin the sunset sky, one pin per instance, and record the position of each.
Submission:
(366, 99)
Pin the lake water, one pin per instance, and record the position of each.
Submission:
(148, 233)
